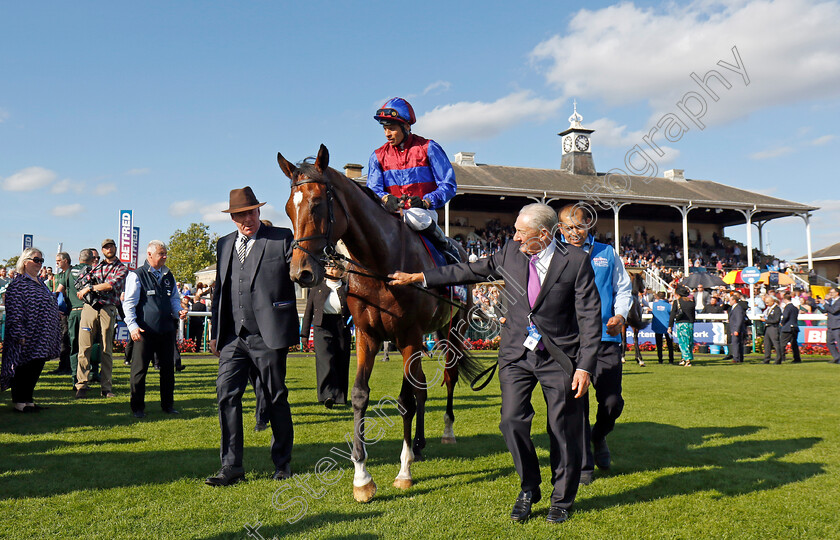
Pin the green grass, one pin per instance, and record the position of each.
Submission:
(712, 451)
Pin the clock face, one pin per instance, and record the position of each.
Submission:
(567, 143)
(581, 143)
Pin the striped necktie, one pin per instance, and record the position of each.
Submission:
(241, 249)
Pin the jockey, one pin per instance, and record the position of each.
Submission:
(412, 173)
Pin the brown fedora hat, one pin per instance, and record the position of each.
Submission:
(242, 200)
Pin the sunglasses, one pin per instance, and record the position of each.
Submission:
(37, 260)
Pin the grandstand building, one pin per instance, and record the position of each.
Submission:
(623, 203)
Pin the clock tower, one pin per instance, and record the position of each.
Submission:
(577, 147)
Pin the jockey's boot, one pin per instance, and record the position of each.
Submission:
(444, 245)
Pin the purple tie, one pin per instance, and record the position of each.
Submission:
(533, 280)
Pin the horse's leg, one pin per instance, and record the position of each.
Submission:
(450, 377)
(413, 399)
(638, 347)
(364, 488)
(623, 342)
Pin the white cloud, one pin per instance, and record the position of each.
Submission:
(772, 153)
(68, 210)
(212, 213)
(105, 188)
(825, 139)
(480, 120)
(626, 54)
(63, 186)
(826, 205)
(609, 133)
(29, 179)
(183, 208)
(278, 219)
(136, 172)
(3, 116)
(437, 87)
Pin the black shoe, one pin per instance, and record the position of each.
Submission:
(227, 476)
(81, 393)
(586, 477)
(282, 473)
(260, 427)
(94, 377)
(180, 368)
(557, 515)
(139, 414)
(766, 362)
(329, 402)
(796, 362)
(170, 410)
(522, 506)
(107, 394)
(727, 357)
(37, 407)
(602, 454)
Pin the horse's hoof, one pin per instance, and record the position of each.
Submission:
(418, 456)
(447, 440)
(403, 483)
(364, 493)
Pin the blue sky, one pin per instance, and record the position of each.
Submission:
(163, 107)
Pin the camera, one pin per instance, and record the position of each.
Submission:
(92, 297)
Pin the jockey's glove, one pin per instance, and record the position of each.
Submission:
(391, 203)
(418, 202)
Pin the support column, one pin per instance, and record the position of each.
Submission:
(806, 216)
(684, 210)
(748, 214)
(760, 226)
(616, 207)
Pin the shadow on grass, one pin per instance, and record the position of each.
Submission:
(306, 523)
(719, 459)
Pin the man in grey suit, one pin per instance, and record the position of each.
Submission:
(832, 309)
(550, 336)
(254, 321)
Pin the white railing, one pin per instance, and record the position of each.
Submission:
(655, 282)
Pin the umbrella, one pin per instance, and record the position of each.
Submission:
(733, 277)
(784, 279)
(703, 278)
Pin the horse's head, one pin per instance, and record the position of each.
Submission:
(317, 216)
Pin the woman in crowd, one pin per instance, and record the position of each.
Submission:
(682, 321)
(33, 333)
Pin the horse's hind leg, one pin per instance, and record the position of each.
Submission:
(450, 379)
(638, 348)
(364, 488)
(413, 400)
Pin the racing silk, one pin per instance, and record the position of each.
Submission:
(613, 284)
(418, 168)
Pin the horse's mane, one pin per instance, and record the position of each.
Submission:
(308, 168)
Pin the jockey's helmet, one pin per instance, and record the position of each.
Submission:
(396, 110)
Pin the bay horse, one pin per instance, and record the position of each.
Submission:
(325, 207)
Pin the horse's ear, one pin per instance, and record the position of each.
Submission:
(287, 168)
(323, 159)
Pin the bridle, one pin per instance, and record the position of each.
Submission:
(329, 253)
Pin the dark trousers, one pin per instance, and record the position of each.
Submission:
(235, 361)
(607, 383)
(736, 346)
(64, 355)
(153, 344)
(564, 423)
(261, 410)
(772, 340)
(792, 338)
(670, 342)
(24, 381)
(832, 339)
(332, 358)
(73, 322)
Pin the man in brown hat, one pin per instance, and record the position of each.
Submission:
(254, 322)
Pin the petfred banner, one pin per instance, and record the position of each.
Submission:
(124, 243)
(714, 333)
(135, 247)
(28, 241)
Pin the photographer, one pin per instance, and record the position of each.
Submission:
(101, 292)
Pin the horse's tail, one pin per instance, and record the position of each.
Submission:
(466, 365)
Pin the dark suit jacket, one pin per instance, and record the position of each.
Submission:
(832, 310)
(738, 318)
(790, 319)
(774, 316)
(567, 311)
(314, 313)
(272, 290)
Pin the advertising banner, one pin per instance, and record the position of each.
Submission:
(28, 241)
(124, 242)
(135, 248)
